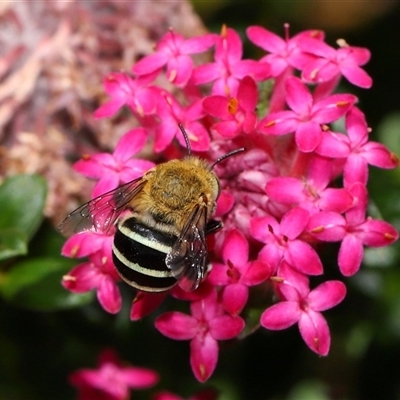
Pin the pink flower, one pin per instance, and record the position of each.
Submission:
(332, 63)
(171, 114)
(115, 169)
(229, 68)
(358, 151)
(354, 231)
(302, 306)
(125, 90)
(207, 324)
(311, 192)
(284, 53)
(306, 116)
(111, 380)
(282, 242)
(237, 273)
(98, 273)
(237, 113)
(173, 50)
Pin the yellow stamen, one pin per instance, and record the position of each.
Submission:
(233, 106)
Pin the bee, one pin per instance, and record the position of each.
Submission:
(161, 222)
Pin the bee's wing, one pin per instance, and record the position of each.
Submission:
(188, 257)
(100, 213)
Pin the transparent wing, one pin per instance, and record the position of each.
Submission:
(100, 213)
(188, 257)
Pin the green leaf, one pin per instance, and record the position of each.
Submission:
(22, 199)
(36, 284)
(13, 243)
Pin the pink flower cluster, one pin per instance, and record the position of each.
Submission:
(113, 379)
(299, 184)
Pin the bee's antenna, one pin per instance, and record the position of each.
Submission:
(189, 148)
(231, 153)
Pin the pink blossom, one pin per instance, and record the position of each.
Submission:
(283, 242)
(332, 63)
(98, 273)
(204, 328)
(173, 50)
(237, 273)
(124, 90)
(119, 167)
(306, 116)
(285, 55)
(311, 192)
(112, 380)
(237, 114)
(358, 151)
(229, 68)
(302, 306)
(171, 114)
(354, 231)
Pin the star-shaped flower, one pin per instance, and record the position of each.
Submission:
(303, 306)
(204, 328)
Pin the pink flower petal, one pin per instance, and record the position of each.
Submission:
(298, 97)
(333, 108)
(286, 190)
(247, 94)
(308, 136)
(205, 73)
(303, 257)
(350, 255)
(219, 275)
(256, 273)
(198, 44)
(378, 233)
(226, 327)
(281, 315)
(234, 298)
(203, 356)
(356, 75)
(236, 248)
(217, 106)
(179, 70)
(327, 226)
(145, 303)
(82, 278)
(265, 39)
(326, 295)
(176, 325)
(108, 295)
(315, 332)
(279, 123)
(338, 200)
(139, 378)
(379, 155)
(150, 63)
(294, 222)
(131, 143)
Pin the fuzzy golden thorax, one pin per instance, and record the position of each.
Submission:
(173, 189)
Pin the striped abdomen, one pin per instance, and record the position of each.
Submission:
(139, 256)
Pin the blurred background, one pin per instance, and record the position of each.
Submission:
(46, 332)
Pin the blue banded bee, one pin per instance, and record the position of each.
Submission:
(162, 220)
